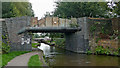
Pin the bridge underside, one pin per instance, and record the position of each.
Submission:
(49, 30)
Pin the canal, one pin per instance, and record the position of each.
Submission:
(60, 57)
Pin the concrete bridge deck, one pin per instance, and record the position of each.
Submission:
(49, 30)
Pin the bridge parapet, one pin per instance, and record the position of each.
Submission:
(52, 22)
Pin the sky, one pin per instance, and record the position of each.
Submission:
(40, 7)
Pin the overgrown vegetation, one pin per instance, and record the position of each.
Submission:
(103, 30)
(7, 57)
(89, 52)
(34, 61)
(100, 50)
(5, 44)
(34, 45)
(60, 42)
(74, 25)
(5, 48)
(35, 35)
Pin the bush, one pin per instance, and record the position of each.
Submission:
(5, 44)
(105, 51)
(99, 50)
(89, 52)
(5, 48)
(59, 42)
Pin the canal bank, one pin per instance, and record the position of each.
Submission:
(59, 57)
(98, 50)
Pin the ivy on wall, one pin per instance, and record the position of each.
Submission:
(5, 45)
(103, 30)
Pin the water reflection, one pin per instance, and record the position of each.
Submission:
(60, 57)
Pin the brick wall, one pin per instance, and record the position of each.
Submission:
(112, 24)
(108, 43)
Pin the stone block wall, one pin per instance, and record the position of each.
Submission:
(13, 26)
(0, 37)
(78, 41)
(5, 35)
(75, 42)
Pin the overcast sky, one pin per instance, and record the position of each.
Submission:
(40, 7)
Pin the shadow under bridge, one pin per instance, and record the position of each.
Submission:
(49, 30)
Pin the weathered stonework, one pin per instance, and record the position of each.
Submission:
(0, 37)
(78, 41)
(75, 42)
(4, 33)
(13, 26)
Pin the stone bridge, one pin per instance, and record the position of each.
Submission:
(20, 28)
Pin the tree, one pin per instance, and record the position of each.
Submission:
(36, 35)
(56, 35)
(16, 9)
(117, 8)
(81, 9)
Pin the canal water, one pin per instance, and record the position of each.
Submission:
(60, 57)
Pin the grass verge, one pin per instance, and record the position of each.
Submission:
(0, 60)
(34, 61)
(7, 57)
